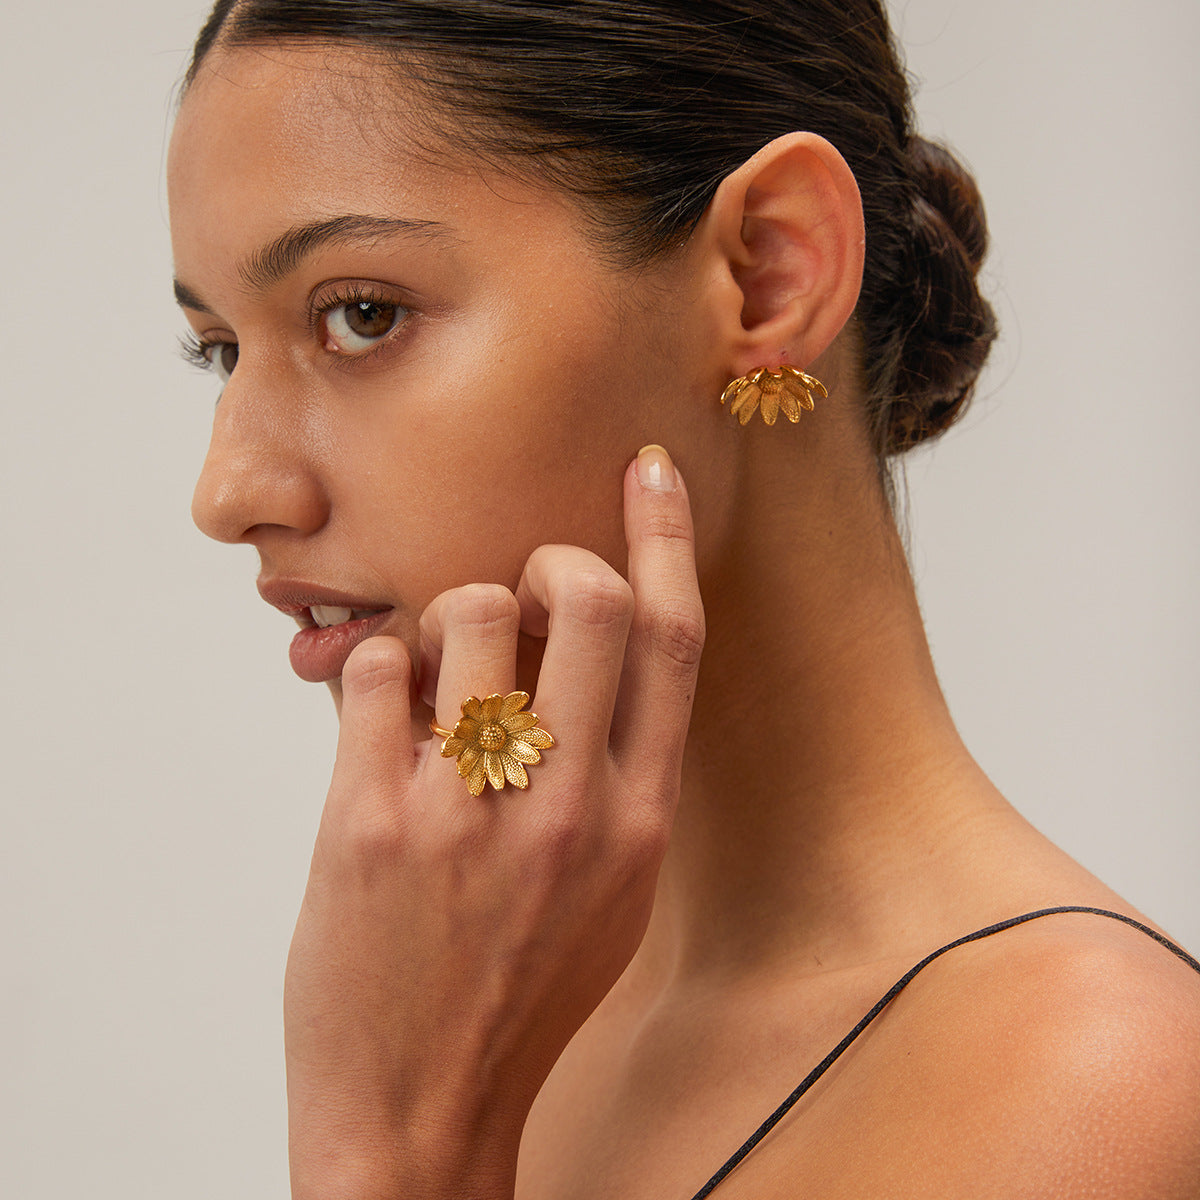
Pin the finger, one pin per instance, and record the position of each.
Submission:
(667, 635)
(375, 752)
(585, 608)
(469, 642)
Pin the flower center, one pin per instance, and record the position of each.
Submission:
(492, 737)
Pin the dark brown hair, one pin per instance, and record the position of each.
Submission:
(641, 107)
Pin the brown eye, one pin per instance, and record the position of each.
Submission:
(368, 319)
(357, 326)
(223, 356)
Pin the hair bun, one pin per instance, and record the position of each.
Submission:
(951, 326)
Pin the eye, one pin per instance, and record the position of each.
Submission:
(357, 325)
(223, 358)
(215, 356)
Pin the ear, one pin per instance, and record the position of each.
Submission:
(787, 230)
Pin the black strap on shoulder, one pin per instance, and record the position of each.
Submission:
(895, 990)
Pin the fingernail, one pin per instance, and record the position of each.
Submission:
(655, 469)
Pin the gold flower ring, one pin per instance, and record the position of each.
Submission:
(494, 741)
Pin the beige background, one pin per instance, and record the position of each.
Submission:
(163, 771)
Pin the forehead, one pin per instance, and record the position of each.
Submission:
(297, 124)
(272, 137)
(316, 103)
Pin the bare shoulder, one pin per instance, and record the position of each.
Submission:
(1059, 1058)
(1066, 1053)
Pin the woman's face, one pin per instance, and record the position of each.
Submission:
(435, 372)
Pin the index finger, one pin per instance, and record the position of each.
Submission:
(667, 636)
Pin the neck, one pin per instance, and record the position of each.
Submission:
(809, 796)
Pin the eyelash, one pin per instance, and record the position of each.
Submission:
(196, 350)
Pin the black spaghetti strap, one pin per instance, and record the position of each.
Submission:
(895, 990)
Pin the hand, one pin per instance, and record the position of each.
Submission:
(449, 946)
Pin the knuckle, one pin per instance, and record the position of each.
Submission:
(595, 597)
(669, 522)
(675, 632)
(646, 832)
(367, 839)
(376, 666)
(561, 839)
(486, 606)
(371, 841)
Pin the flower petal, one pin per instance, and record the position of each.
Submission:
(453, 746)
(467, 729)
(747, 397)
(513, 703)
(467, 760)
(514, 772)
(472, 708)
(478, 779)
(802, 387)
(491, 708)
(770, 406)
(494, 768)
(535, 737)
(788, 405)
(522, 752)
(519, 721)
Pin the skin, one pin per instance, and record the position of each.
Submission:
(601, 986)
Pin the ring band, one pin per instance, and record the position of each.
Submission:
(494, 741)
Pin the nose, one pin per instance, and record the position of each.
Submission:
(259, 473)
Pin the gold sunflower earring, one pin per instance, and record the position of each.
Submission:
(785, 390)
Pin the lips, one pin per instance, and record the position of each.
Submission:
(319, 655)
(331, 624)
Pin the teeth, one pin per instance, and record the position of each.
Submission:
(324, 615)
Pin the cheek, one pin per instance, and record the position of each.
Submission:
(457, 468)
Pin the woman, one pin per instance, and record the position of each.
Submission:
(465, 268)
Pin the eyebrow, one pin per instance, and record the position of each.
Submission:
(280, 257)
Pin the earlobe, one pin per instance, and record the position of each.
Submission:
(788, 226)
